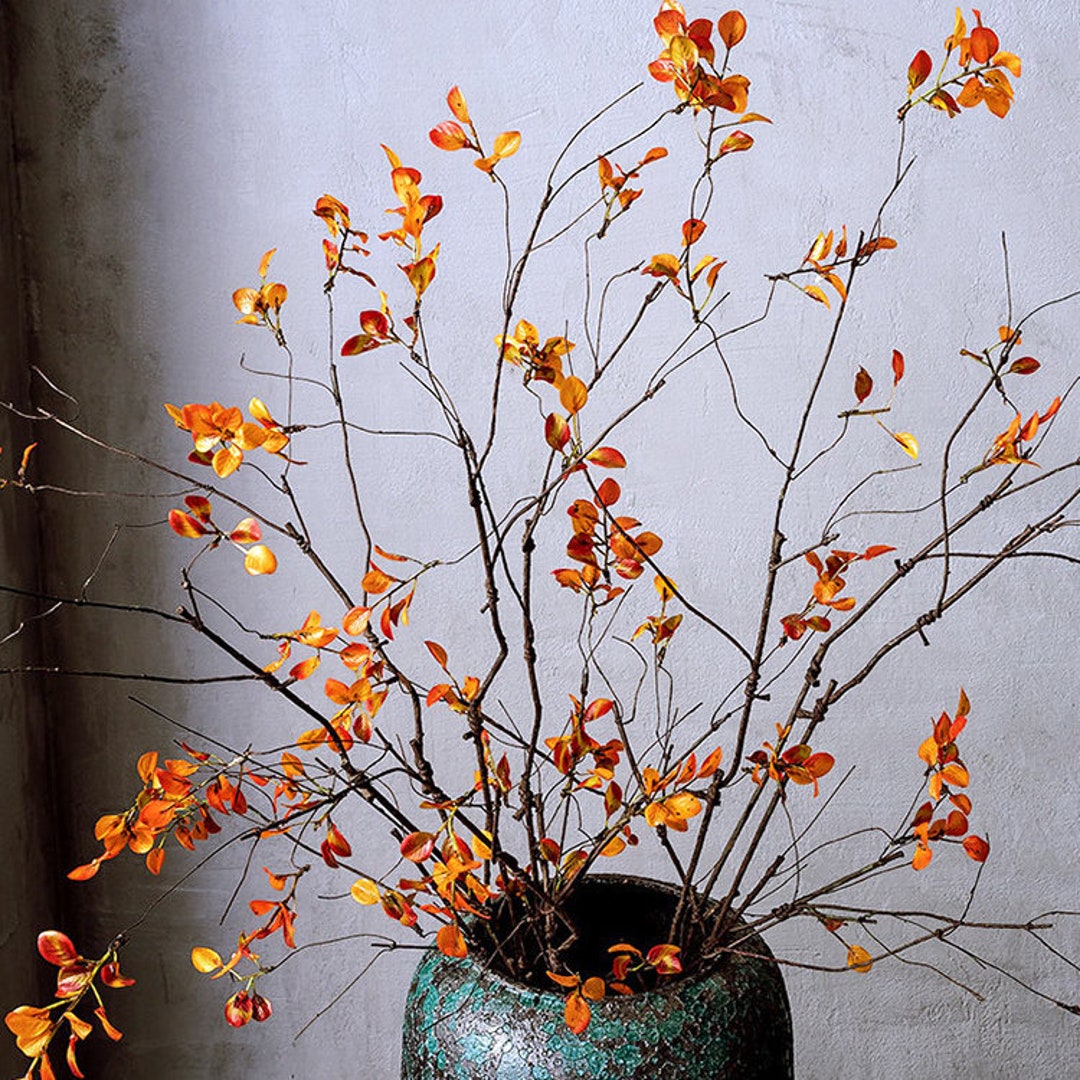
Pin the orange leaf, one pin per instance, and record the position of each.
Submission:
(692, 229)
(817, 293)
(376, 581)
(356, 621)
(455, 99)
(577, 1013)
(556, 431)
(608, 493)
(1007, 60)
(731, 27)
(977, 848)
(955, 775)
(438, 652)
(573, 394)
(663, 265)
(882, 243)
(304, 669)
(984, 44)
(109, 1030)
(451, 941)
(922, 857)
(593, 988)
(570, 982)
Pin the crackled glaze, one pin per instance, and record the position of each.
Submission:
(465, 1023)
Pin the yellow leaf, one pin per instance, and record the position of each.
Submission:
(683, 52)
(507, 143)
(908, 442)
(260, 560)
(365, 891)
(817, 294)
(615, 846)
(859, 959)
(205, 960)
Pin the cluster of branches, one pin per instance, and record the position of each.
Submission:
(543, 808)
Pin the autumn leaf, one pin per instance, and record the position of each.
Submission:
(449, 135)
(731, 27)
(977, 848)
(205, 960)
(260, 560)
(864, 384)
(577, 1013)
(417, 846)
(908, 441)
(735, 143)
(573, 394)
(858, 959)
(451, 941)
(607, 457)
(1026, 365)
(919, 70)
(692, 230)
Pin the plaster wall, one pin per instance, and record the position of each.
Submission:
(164, 151)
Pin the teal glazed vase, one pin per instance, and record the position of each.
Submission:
(464, 1021)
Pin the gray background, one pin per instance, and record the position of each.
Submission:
(155, 151)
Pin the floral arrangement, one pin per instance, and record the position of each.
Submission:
(560, 780)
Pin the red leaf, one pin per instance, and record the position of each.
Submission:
(1024, 366)
(185, 525)
(56, 947)
(919, 70)
(897, 365)
(417, 846)
(608, 493)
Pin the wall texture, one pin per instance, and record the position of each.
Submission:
(160, 152)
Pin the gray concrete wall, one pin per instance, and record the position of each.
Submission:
(27, 826)
(163, 150)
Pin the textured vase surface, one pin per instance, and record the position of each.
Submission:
(463, 1022)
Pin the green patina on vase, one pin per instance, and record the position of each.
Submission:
(464, 1021)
